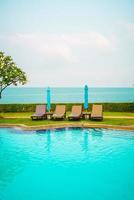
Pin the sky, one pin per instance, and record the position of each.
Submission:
(61, 43)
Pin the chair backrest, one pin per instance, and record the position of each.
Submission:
(60, 109)
(40, 109)
(77, 110)
(97, 110)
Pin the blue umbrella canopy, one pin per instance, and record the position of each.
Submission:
(86, 97)
(48, 99)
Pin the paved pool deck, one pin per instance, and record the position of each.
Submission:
(71, 125)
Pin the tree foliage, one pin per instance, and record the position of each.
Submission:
(10, 73)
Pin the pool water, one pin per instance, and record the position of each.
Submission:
(66, 164)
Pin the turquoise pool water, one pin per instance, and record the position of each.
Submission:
(66, 164)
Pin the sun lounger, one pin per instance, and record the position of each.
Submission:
(76, 113)
(97, 112)
(40, 112)
(60, 112)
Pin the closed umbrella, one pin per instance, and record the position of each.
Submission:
(86, 97)
(48, 99)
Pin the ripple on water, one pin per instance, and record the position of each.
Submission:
(91, 163)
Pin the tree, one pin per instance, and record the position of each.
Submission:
(10, 73)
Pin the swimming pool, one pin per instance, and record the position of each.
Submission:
(67, 164)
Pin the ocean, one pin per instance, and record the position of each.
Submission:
(66, 95)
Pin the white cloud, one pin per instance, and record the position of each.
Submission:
(127, 30)
(61, 45)
(88, 39)
(130, 26)
(53, 59)
(44, 44)
(130, 29)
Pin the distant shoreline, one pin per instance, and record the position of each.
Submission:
(71, 87)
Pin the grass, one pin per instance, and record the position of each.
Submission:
(24, 118)
(17, 115)
(29, 122)
(28, 114)
(128, 114)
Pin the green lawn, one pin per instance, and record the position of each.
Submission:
(128, 114)
(26, 121)
(22, 114)
(28, 114)
(24, 118)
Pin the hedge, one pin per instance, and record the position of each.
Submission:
(109, 107)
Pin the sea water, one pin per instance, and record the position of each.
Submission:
(67, 95)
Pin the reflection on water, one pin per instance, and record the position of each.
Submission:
(97, 132)
(11, 162)
(48, 138)
(85, 142)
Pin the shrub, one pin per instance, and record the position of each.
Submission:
(109, 107)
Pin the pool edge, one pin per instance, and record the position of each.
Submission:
(70, 125)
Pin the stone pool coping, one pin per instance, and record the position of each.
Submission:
(69, 125)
